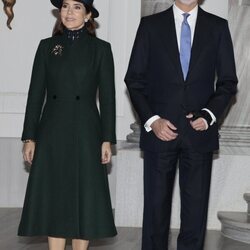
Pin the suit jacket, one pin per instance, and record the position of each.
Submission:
(156, 84)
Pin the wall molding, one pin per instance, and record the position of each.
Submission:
(235, 136)
(12, 102)
(235, 140)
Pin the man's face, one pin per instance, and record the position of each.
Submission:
(187, 2)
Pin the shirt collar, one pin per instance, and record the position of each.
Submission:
(178, 13)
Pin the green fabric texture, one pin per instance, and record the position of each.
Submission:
(67, 193)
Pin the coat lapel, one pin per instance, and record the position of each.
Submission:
(170, 40)
(200, 38)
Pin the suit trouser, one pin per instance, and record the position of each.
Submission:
(194, 181)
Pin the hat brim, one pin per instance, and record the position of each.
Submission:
(94, 12)
(58, 4)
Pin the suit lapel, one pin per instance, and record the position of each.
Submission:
(200, 38)
(170, 40)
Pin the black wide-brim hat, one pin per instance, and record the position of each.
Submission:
(95, 13)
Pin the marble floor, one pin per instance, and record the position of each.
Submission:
(127, 238)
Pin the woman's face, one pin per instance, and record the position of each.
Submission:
(73, 14)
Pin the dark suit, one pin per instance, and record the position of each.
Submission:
(157, 87)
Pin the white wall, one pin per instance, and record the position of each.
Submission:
(17, 48)
(217, 7)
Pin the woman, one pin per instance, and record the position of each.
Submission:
(66, 139)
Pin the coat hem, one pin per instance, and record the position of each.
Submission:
(83, 237)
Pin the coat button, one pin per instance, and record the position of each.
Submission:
(54, 96)
(77, 97)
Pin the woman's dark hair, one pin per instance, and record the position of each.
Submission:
(91, 25)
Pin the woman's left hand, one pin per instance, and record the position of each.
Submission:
(106, 152)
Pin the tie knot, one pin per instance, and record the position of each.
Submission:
(185, 16)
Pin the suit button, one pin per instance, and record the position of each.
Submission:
(54, 96)
(77, 97)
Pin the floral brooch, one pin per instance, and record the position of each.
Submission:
(57, 50)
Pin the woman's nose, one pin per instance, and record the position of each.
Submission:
(70, 10)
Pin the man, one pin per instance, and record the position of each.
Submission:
(177, 56)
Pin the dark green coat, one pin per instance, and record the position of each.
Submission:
(67, 193)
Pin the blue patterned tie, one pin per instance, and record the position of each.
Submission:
(185, 45)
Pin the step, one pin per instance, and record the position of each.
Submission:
(247, 199)
(235, 225)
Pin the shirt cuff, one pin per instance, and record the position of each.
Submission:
(212, 116)
(150, 121)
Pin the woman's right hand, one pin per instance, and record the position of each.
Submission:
(28, 151)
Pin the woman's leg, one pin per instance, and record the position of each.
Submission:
(56, 243)
(80, 244)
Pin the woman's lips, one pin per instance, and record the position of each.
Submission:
(69, 19)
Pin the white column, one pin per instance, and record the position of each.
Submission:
(123, 21)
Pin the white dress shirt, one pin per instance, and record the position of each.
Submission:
(178, 18)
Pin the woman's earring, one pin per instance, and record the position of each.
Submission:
(86, 20)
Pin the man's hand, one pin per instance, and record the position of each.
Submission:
(164, 129)
(200, 124)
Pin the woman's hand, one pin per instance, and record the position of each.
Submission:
(28, 151)
(106, 152)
